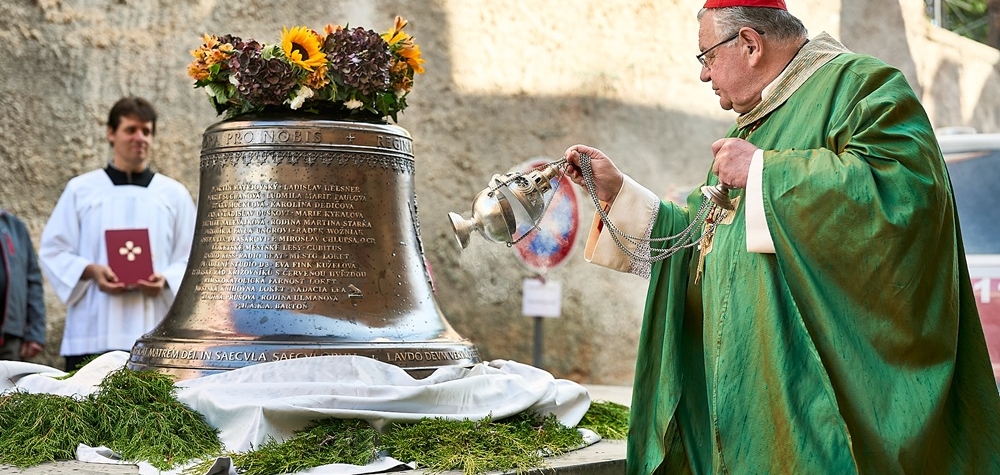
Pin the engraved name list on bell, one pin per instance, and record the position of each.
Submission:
(282, 246)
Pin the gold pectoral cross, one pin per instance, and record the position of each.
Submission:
(717, 216)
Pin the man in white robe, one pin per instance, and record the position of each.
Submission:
(103, 313)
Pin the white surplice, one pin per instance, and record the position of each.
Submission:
(74, 238)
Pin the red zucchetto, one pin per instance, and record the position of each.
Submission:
(746, 3)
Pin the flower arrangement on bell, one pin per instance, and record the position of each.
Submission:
(352, 71)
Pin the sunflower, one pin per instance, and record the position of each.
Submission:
(302, 47)
(411, 53)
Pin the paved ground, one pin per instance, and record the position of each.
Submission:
(603, 458)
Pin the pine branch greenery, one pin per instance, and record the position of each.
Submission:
(39, 428)
(323, 442)
(474, 447)
(141, 419)
(608, 419)
(134, 413)
(518, 443)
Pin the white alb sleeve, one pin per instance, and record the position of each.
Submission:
(758, 233)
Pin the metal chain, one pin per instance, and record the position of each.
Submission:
(683, 239)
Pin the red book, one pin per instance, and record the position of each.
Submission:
(129, 255)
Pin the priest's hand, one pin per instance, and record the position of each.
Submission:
(105, 278)
(608, 178)
(153, 285)
(732, 161)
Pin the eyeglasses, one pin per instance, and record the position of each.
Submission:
(705, 62)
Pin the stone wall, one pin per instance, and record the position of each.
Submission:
(505, 82)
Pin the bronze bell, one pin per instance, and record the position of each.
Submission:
(307, 243)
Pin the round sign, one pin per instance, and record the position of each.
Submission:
(552, 242)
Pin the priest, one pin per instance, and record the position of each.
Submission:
(104, 311)
(826, 324)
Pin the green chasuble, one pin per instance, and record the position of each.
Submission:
(856, 347)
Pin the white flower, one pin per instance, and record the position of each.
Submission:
(353, 104)
(210, 90)
(300, 97)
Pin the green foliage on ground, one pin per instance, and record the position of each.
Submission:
(323, 442)
(140, 419)
(517, 443)
(134, 413)
(39, 428)
(608, 419)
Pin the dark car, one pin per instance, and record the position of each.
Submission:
(974, 165)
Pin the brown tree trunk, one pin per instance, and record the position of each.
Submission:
(993, 23)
